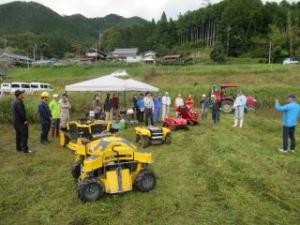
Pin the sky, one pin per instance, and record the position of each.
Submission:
(147, 9)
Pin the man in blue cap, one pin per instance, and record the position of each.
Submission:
(291, 113)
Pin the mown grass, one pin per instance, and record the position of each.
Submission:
(209, 175)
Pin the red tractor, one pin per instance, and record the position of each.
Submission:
(225, 95)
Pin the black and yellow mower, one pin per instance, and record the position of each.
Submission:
(112, 166)
(153, 135)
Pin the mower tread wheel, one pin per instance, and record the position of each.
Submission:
(168, 139)
(76, 170)
(145, 141)
(145, 180)
(90, 190)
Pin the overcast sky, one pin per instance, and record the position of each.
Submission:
(147, 9)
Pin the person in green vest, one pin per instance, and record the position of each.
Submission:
(55, 111)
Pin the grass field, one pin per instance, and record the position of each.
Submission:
(209, 175)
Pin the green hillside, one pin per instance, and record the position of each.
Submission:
(22, 17)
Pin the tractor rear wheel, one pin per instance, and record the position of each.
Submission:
(227, 106)
(145, 180)
(76, 170)
(168, 139)
(145, 141)
(90, 190)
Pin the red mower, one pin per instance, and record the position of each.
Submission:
(188, 114)
(175, 123)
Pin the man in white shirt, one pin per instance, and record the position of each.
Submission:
(149, 108)
(166, 102)
(239, 106)
(178, 103)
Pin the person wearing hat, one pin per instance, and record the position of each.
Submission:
(166, 102)
(149, 109)
(55, 112)
(65, 108)
(178, 103)
(20, 122)
(239, 107)
(215, 109)
(45, 117)
(204, 102)
(291, 113)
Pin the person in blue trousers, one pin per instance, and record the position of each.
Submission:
(45, 118)
(157, 109)
(291, 113)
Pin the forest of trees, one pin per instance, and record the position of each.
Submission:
(235, 27)
(238, 28)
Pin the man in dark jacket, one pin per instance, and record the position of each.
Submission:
(108, 104)
(20, 122)
(45, 118)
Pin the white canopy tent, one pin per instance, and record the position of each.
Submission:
(111, 84)
(140, 86)
(106, 83)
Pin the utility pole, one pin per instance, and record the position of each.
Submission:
(228, 40)
(270, 52)
(290, 33)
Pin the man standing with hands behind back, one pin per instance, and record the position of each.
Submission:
(20, 122)
(291, 113)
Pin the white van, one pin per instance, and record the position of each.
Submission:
(36, 86)
(22, 86)
(5, 88)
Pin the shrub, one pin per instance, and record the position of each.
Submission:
(218, 53)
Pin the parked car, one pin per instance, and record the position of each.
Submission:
(289, 61)
(22, 86)
(37, 86)
(5, 88)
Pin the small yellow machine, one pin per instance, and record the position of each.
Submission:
(113, 165)
(153, 135)
(83, 131)
(79, 134)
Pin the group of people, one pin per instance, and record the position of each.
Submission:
(154, 108)
(53, 116)
(110, 109)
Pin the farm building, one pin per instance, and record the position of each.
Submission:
(15, 59)
(129, 55)
(150, 54)
(95, 53)
(172, 58)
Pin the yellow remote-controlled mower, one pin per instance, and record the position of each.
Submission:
(83, 130)
(78, 136)
(153, 135)
(114, 166)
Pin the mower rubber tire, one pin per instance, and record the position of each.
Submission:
(137, 138)
(168, 139)
(145, 180)
(76, 170)
(227, 106)
(90, 190)
(191, 123)
(145, 141)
